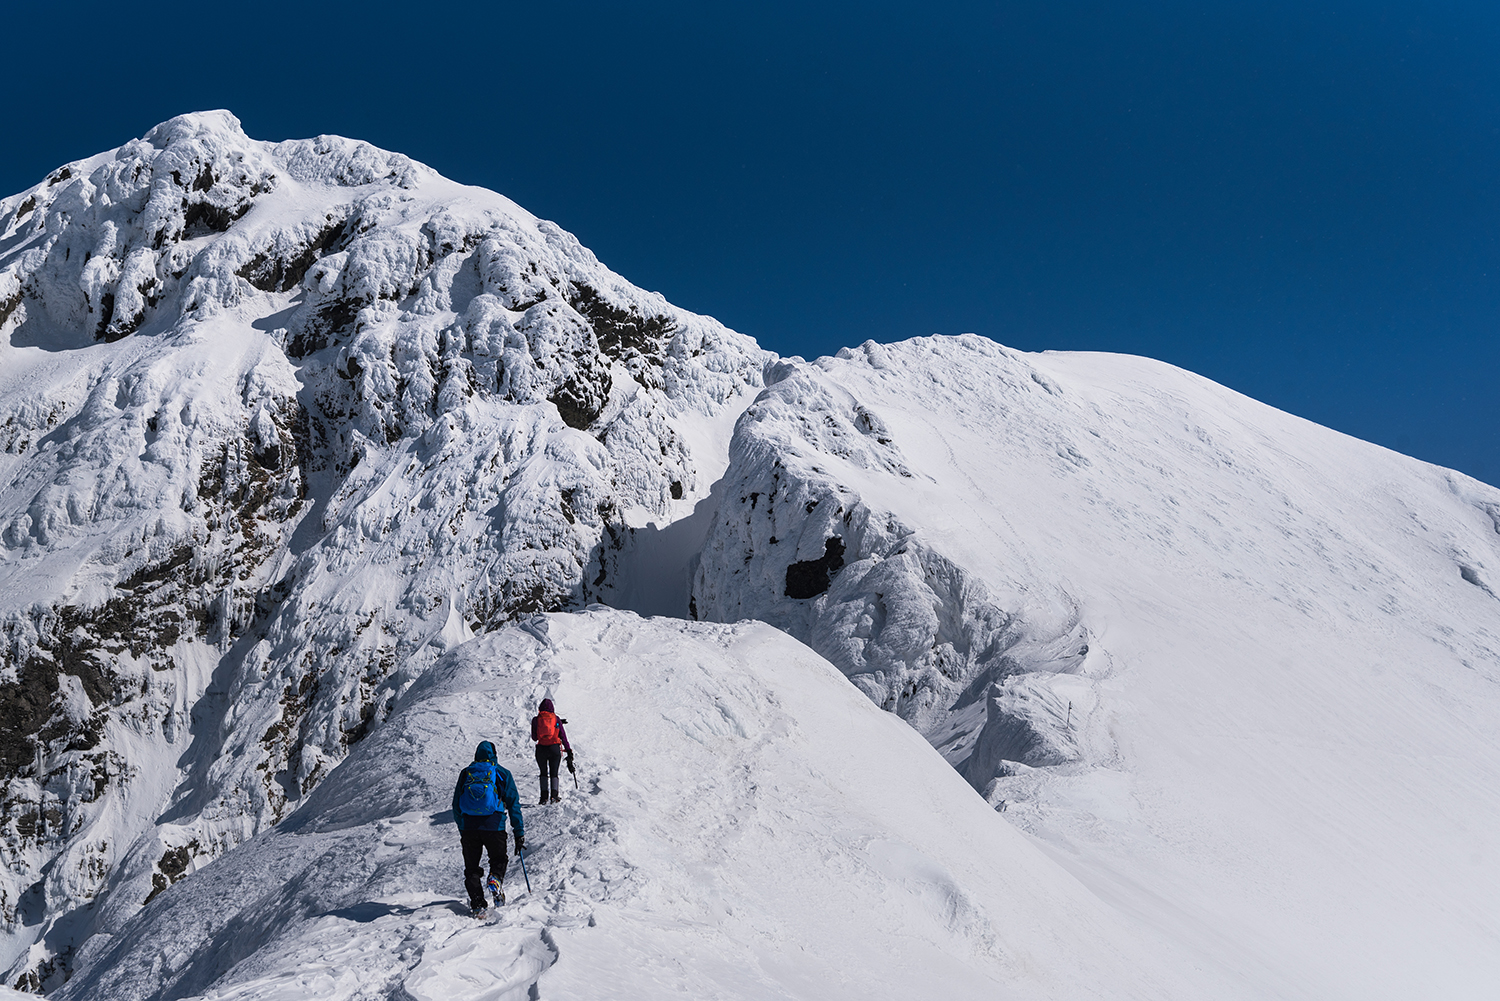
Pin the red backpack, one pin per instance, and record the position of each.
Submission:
(545, 728)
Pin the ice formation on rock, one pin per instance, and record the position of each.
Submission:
(816, 535)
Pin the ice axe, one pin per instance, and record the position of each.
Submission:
(522, 856)
(572, 771)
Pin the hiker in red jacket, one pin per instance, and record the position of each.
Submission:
(551, 741)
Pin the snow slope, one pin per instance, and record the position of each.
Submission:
(1239, 672)
(749, 826)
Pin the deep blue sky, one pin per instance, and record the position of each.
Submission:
(1298, 200)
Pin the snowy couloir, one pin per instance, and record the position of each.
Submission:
(318, 468)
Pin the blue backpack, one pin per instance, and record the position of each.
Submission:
(480, 796)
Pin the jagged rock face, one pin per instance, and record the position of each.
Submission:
(282, 422)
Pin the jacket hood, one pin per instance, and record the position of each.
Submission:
(486, 752)
(546, 706)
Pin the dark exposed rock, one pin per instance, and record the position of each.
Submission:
(203, 218)
(810, 578)
(8, 306)
(106, 314)
(622, 332)
(321, 325)
(575, 412)
(273, 272)
(171, 867)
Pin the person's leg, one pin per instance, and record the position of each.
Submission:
(541, 763)
(554, 759)
(494, 844)
(473, 846)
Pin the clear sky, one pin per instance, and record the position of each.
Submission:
(1298, 200)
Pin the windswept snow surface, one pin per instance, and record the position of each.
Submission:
(748, 827)
(1240, 673)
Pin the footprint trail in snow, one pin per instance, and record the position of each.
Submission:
(748, 826)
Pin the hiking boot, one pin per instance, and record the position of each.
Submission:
(496, 894)
(556, 798)
(478, 912)
(544, 801)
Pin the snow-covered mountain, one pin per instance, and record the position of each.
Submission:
(282, 423)
(289, 425)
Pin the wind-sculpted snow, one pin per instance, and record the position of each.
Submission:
(282, 421)
(746, 826)
(809, 538)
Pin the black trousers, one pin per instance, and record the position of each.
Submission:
(548, 758)
(475, 843)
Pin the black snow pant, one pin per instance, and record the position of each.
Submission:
(548, 758)
(475, 843)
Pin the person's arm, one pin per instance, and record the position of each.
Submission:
(533, 726)
(562, 735)
(512, 803)
(458, 818)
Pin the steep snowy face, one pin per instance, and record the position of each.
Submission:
(281, 422)
(1240, 671)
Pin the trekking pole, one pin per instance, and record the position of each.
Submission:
(522, 857)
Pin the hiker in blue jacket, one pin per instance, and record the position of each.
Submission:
(483, 789)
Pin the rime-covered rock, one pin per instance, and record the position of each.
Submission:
(817, 534)
(282, 421)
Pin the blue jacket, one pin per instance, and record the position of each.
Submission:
(505, 785)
